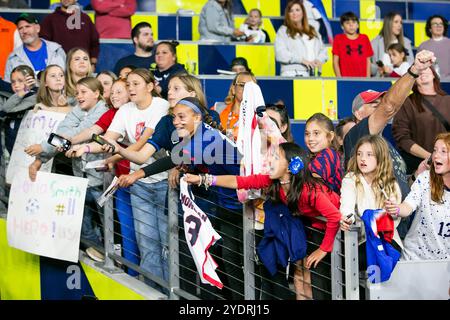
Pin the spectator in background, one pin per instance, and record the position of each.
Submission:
(216, 22)
(252, 28)
(77, 67)
(397, 54)
(125, 71)
(240, 64)
(392, 32)
(229, 117)
(166, 65)
(14, 4)
(71, 28)
(113, 18)
(414, 142)
(436, 29)
(351, 50)
(298, 46)
(8, 41)
(142, 37)
(35, 52)
(107, 79)
(342, 128)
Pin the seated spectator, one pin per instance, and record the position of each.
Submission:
(14, 4)
(88, 110)
(240, 64)
(252, 28)
(436, 28)
(23, 85)
(298, 46)
(351, 50)
(39, 52)
(7, 38)
(430, 199)
(416, 143)
(142, 37)
(216, 22)
(77, 67)
(229, 117)
(71, 28)
(392, 32)
(166, 65)
(113, 18)
(397, 54)
(107, 79)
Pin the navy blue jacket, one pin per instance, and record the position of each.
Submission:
(284, 237)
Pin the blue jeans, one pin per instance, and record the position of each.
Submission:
(148, 201)
(130, 250)
(89, 229)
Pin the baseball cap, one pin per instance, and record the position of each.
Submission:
(365, 97)
(28, 17)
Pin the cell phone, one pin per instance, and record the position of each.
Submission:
(430, 161)
(380, 63)
(59, 142)
(101, 141)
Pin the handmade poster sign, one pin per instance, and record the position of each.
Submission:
(45, 216)
(34, 128)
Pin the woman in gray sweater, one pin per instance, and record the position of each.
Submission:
(392, 32)
(216, 22)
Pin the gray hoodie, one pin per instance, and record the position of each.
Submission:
(55, 55)
(15, 103)
(76, 121)
(215, 23)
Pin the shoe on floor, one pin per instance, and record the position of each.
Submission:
(95, 255)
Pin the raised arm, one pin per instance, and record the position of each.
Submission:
(395, 97)
(86, 134)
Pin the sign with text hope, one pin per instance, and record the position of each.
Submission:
(45, 216)
(34, 129)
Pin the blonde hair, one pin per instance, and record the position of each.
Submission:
(436, 180)
(384, 172)
(231, 96)
(70, 83)
(43, 94)
(92, 84)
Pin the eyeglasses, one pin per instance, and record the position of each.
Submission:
(437, 24)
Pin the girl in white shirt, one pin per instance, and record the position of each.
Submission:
(370, 181)
(429, 235)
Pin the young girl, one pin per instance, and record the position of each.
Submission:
(78, 66)
(397, 54)
(24, 98)
(119, 97)
(369, 182)
(50, 97)
(252, 28)
(298, 190)
(106, 78)
(321, 143)
(427, 239)
(148, 196)
(89, 109)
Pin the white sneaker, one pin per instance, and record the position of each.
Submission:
(95, 255)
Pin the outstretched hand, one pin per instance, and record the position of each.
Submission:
(424, 59)
(191, 178)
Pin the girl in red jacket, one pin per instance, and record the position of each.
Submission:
(289, 182)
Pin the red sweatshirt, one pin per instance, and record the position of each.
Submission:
(69, 34)
(312, 203)
(113, 17)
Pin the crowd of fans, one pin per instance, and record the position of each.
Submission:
(149, 106)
